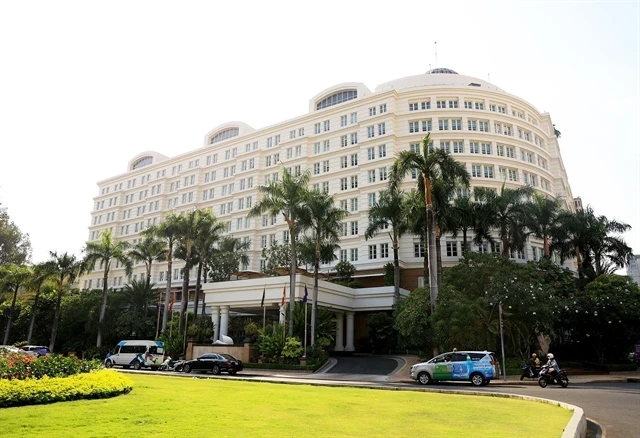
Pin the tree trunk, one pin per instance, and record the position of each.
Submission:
(396, 268)
(439, 257)
(292, 280)
(464, 242)
(547, 250)
(505, 246)
(56, 321)
(184, 299)
(431, 248)
(314, 298)
(32, 322)
(9, 320)
(103, 307)
(196, 300)
(167, 295)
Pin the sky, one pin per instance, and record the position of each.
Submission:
(86, 86)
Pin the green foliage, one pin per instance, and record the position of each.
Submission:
(381, 331)
(292, 349)
(226, 258)
(271, 341)
(611, 367)
(15, 247)
(201, 329)
(281, 366)
(21, 366)
(98, 384)
(276, 256)
(251, 329)
(389, 276)
(325, 324)
(344, 271)
(411, 317)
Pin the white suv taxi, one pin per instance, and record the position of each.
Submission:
(478, 367)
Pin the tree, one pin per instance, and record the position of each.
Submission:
(147, 251)
(41, 273)
(462, 219)
(288, 197)
(204, 246)
(411, 317)
(503, 211)
(63, 270)
(133, 301)
(388, 212)
(430, 165)
(167, 230)
(540, 218)
(15, 247)
(276, 256)
(13, 278)
(324, 221)
(228, 256)
(105, 251)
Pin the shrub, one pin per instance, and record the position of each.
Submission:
(292, 348)
(97, 384)
(271, 340)
(17, 366)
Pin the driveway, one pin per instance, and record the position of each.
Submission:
(361, 368)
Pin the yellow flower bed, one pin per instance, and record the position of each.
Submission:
(96, 384)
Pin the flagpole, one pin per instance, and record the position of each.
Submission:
(304, 354)
(264, 309)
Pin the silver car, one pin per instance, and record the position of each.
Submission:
(477, 367)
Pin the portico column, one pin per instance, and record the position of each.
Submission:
(224, 320)
(215, 318)
(339, 329)
(350, 332)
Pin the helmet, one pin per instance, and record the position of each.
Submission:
(534, 355)
(549, 356)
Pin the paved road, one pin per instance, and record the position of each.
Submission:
(359, 365)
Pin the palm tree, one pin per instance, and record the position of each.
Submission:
(167, 231)
(324, 221)
(462, 219)
(229, 254)
(430, 165)
(105, 251)
(209, 234)
(41, 273)
(503, 211)
(390, 211)
(146, 251)
(416, 219)
(540, 218)
(288, 197)
(63, 270)
(13, 278)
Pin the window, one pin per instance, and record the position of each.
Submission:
(316, 148)
(488, 171)
(343, 162)
(483, 247)
(414, 127)
(492, 108)
(343, 141)
(384, 250)
(372, 111)
(452, 249)
(354, 118)
(453, 104)
(316, 168)
(316, 128)
(343, 205)
(373, 252)
(474, 147)
(343, 120)
(383, 174)
(483, 126)
(426, 125)
(354, 159)
(325, 187)
(383, 108)
(476, 171)
(472, 125)
(513, 175)
(343, 183)
(418, 250)
(458, 147)
(354, 204)
(413, 106)
(371, 132)
(443, 125)
(325, 166)
(354, 138)
(485, 148)
(337, 98)
(372, 176)
(354, 182)
(371, 153)
(326, 125)
(468, 105)
(354, 254)
(479, 105)
(382, 151)
(372, 197)
(382, 130)
(343, 255)
(445, 146)
(456, 125)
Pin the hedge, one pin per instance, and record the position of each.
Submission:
(96, 384)
(21, 366)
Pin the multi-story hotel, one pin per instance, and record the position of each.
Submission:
(347, 141)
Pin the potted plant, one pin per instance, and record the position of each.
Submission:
(250, 331)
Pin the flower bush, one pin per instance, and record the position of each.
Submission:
(18, 366)
(96, 384)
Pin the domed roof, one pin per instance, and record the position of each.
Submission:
(446, 71)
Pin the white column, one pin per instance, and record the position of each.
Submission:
(224, 320)
(215, 318)
(339, 335)
(350, 332)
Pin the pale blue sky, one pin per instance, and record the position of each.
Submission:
(85, 86)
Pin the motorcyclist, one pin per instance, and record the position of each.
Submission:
(531, 367)
(535, 362)
(554, 369)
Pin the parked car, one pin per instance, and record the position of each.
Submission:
(137, 354)
(478, 367)
(11, 349)
(216, 363)
(36, 350)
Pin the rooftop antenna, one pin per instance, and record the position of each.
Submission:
(489, 77)
(435, 46)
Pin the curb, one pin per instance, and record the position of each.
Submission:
(600, 432)
(575, 428)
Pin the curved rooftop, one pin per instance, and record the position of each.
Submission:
(437, 77)
(446, 71)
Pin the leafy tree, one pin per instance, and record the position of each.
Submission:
(168, 231)
(344, 271)
(325, 325)
(287, 196)
(228, 256)
(389, 214)
(411, 317)
(381, 331)
(12, 278)
(540, 218)
(147, 251)
(63, 270)
(41, 272)
(133, 302)
(430, 165)
(15, 247)
(105, 251)
(324, 221)
(276, 256)
(208, 234)
(389, 274)
(462, 219)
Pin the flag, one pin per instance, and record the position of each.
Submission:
(284, 293)
(306, 294)
(264, 291)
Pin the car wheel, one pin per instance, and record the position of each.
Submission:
(215, 370)
(137, 366)
(542, 382)
(108, 364)
(186, 368)
(424, 378)
(477, 379)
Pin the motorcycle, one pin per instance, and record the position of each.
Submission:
(170, 365)
(530, 371)
(545, 377)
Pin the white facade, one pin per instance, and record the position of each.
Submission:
(348, 141)
(633, 268)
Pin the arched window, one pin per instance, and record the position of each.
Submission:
(223, 135)
(144, 161)
(339, 97)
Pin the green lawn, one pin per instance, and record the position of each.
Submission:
(183, 407)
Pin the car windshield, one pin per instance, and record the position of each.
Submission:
(208, 357)
(442, 358)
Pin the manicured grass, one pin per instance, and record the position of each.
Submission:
(183, 407)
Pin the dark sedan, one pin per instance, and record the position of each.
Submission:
(216, 363)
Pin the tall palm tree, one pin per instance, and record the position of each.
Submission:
(503, 211)
(147, 251)
(389, 212)
(417, 220)
(462, 219)
(287, 196)
(430, 165)
(13, 278)
(208, 235)
(105, 251)
(41, 273)
(228, 255)
(63, 270)
(540, 218)
(324, 221)
(167, 231)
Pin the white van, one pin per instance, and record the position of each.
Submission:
(137, 354)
